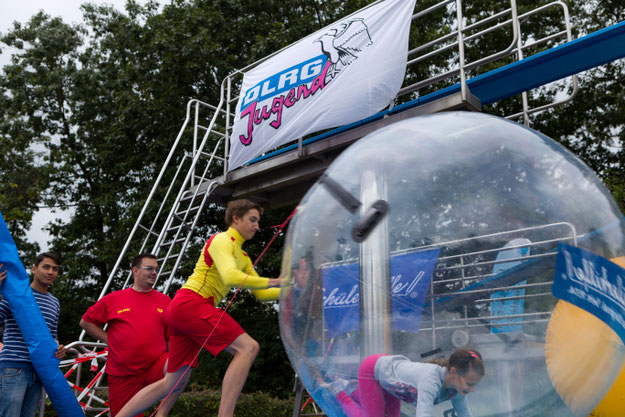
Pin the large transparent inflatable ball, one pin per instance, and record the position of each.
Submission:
(441, 232)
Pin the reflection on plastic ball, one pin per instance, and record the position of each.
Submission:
(464, 256)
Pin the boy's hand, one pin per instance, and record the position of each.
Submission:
(60, 352)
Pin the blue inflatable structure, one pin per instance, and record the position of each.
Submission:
(16, 289)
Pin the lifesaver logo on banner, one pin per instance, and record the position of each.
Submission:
(338, 75)
(343, 44)
(340, 47)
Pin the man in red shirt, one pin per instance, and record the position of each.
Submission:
(136, 334)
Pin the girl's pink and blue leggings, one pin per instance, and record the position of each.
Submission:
(370, 400)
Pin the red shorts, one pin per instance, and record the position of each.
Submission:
(193, 323)
(123, 388)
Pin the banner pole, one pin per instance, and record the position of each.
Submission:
(375, 274)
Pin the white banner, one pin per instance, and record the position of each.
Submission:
(343, 73)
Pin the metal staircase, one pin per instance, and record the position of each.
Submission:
(176, 212)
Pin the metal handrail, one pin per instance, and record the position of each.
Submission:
(460, 44)
(191, 171)
(144, 208)
(211, 186)
(150, 231)
(188, 235)
(197, 153)
(526, 110)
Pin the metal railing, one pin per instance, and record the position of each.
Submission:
(459, 275)
(566, 33)
(459, 41)
(160, 226)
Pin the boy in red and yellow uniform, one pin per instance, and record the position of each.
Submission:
(222, 265)
(194, 321)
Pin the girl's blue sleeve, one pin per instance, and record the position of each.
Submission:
(425, 404)
(461, 406)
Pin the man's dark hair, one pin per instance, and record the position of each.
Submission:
(239, 208)
(42, 256)
(137, 260)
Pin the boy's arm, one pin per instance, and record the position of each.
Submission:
(267, 295)
(61, 351)
(220, 251)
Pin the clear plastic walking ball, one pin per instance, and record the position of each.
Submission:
(441, 232)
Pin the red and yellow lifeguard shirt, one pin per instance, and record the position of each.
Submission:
(222, 265)
(137, 333)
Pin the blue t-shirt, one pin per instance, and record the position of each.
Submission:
(14, 353)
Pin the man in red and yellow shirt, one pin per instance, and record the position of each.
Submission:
(194, 321)
(136, 334)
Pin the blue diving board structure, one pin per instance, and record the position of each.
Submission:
(283, 176)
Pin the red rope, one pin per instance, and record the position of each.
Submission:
(281, 227)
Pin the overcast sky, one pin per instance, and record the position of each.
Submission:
(21, 11)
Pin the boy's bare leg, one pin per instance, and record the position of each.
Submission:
(244, 349)
(155, 392)
(168, 403)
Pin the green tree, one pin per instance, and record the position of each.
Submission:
(22, 184)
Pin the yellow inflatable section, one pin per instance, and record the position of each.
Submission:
(579, 349)
(613, 403)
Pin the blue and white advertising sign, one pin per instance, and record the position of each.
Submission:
(514, 251)
(593, 283)
(411, 274)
